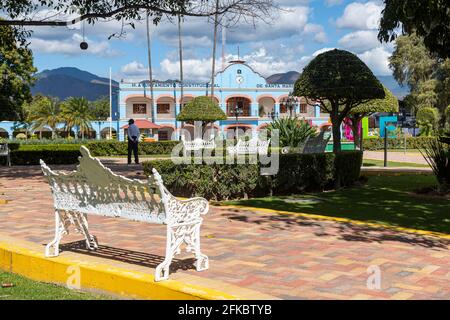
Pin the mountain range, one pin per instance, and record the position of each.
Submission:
(67, 82)
(72, 82)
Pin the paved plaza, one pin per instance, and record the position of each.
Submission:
(286, 256)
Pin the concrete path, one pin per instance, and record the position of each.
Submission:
(411, 157)
(286, 256)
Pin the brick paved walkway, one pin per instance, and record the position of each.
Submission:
(412, 157)
(281, 255)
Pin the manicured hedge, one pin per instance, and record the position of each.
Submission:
(116, 148)
(396, 143)
(51, 154)
(297, 173)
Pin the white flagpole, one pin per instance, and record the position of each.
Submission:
(110, 104)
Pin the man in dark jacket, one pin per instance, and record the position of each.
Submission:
(133, 140)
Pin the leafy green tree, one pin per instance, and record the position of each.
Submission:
(45, 112)
(201, 109)
(100, 108)
(388, 104)
(427, 77)
(16, 75)
(411, 62)
(427, 119)
(430, 19)
(292, 131)
(339, 81)
(447, 118)
(76, 113)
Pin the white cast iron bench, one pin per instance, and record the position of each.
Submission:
(197, 144)
(5, 152)
(93, 189)
(252, 146)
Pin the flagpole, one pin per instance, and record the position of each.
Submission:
(110, 104)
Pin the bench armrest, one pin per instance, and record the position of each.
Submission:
(186, 211)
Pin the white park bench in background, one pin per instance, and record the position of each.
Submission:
(5, 152)
(252, 146)
(197, 144)
(95, 189)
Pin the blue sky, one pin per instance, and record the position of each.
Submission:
(295, 35)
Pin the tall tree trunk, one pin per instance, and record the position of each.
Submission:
(356, 120)
(150, 71)
(180, 48)
(213, 71)
(336, 127)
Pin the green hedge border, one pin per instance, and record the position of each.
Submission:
(297, 173)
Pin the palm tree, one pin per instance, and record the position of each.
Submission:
(216, 22)
(45, 112)
(150, 71)
(180, 48)
(76, 113)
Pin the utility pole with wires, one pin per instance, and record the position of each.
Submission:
(150, 73)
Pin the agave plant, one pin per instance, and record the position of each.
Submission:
(437, 154)
(292, 131)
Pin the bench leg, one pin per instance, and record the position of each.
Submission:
(193, 244)
(172, 247)
(176, 235)
(60, 230)
(83, 226)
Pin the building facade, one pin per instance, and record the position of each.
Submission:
(237, 87)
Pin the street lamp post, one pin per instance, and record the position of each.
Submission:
(237, 111)
(291, 102)
(273, 115)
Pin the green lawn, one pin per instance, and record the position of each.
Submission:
(25, 289)
(384, 199)
(380, 163)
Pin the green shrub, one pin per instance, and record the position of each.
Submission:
(437, 154)
(427, 119)
(116, 148)
(396, 143)
(51, 154)
(297, 173)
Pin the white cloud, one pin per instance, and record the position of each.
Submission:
(317, 31)
(134, 69)
(361, 16)
(377, 60)
(360, 41)
(71, 46)
(331, 3)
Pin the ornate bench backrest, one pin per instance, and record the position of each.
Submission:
(252, 146)
(95, 189)
(4, 150)
(317, 144)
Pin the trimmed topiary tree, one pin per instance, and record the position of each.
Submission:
(202, 109)
(388, 104)
(427, 119)
(339, 81)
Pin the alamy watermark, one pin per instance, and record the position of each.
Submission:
(374, 279)
(207, 146)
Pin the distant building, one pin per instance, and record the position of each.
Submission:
(237, 85)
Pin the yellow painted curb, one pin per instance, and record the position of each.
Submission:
(3, 201)
(346, 220)
(27, 259)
